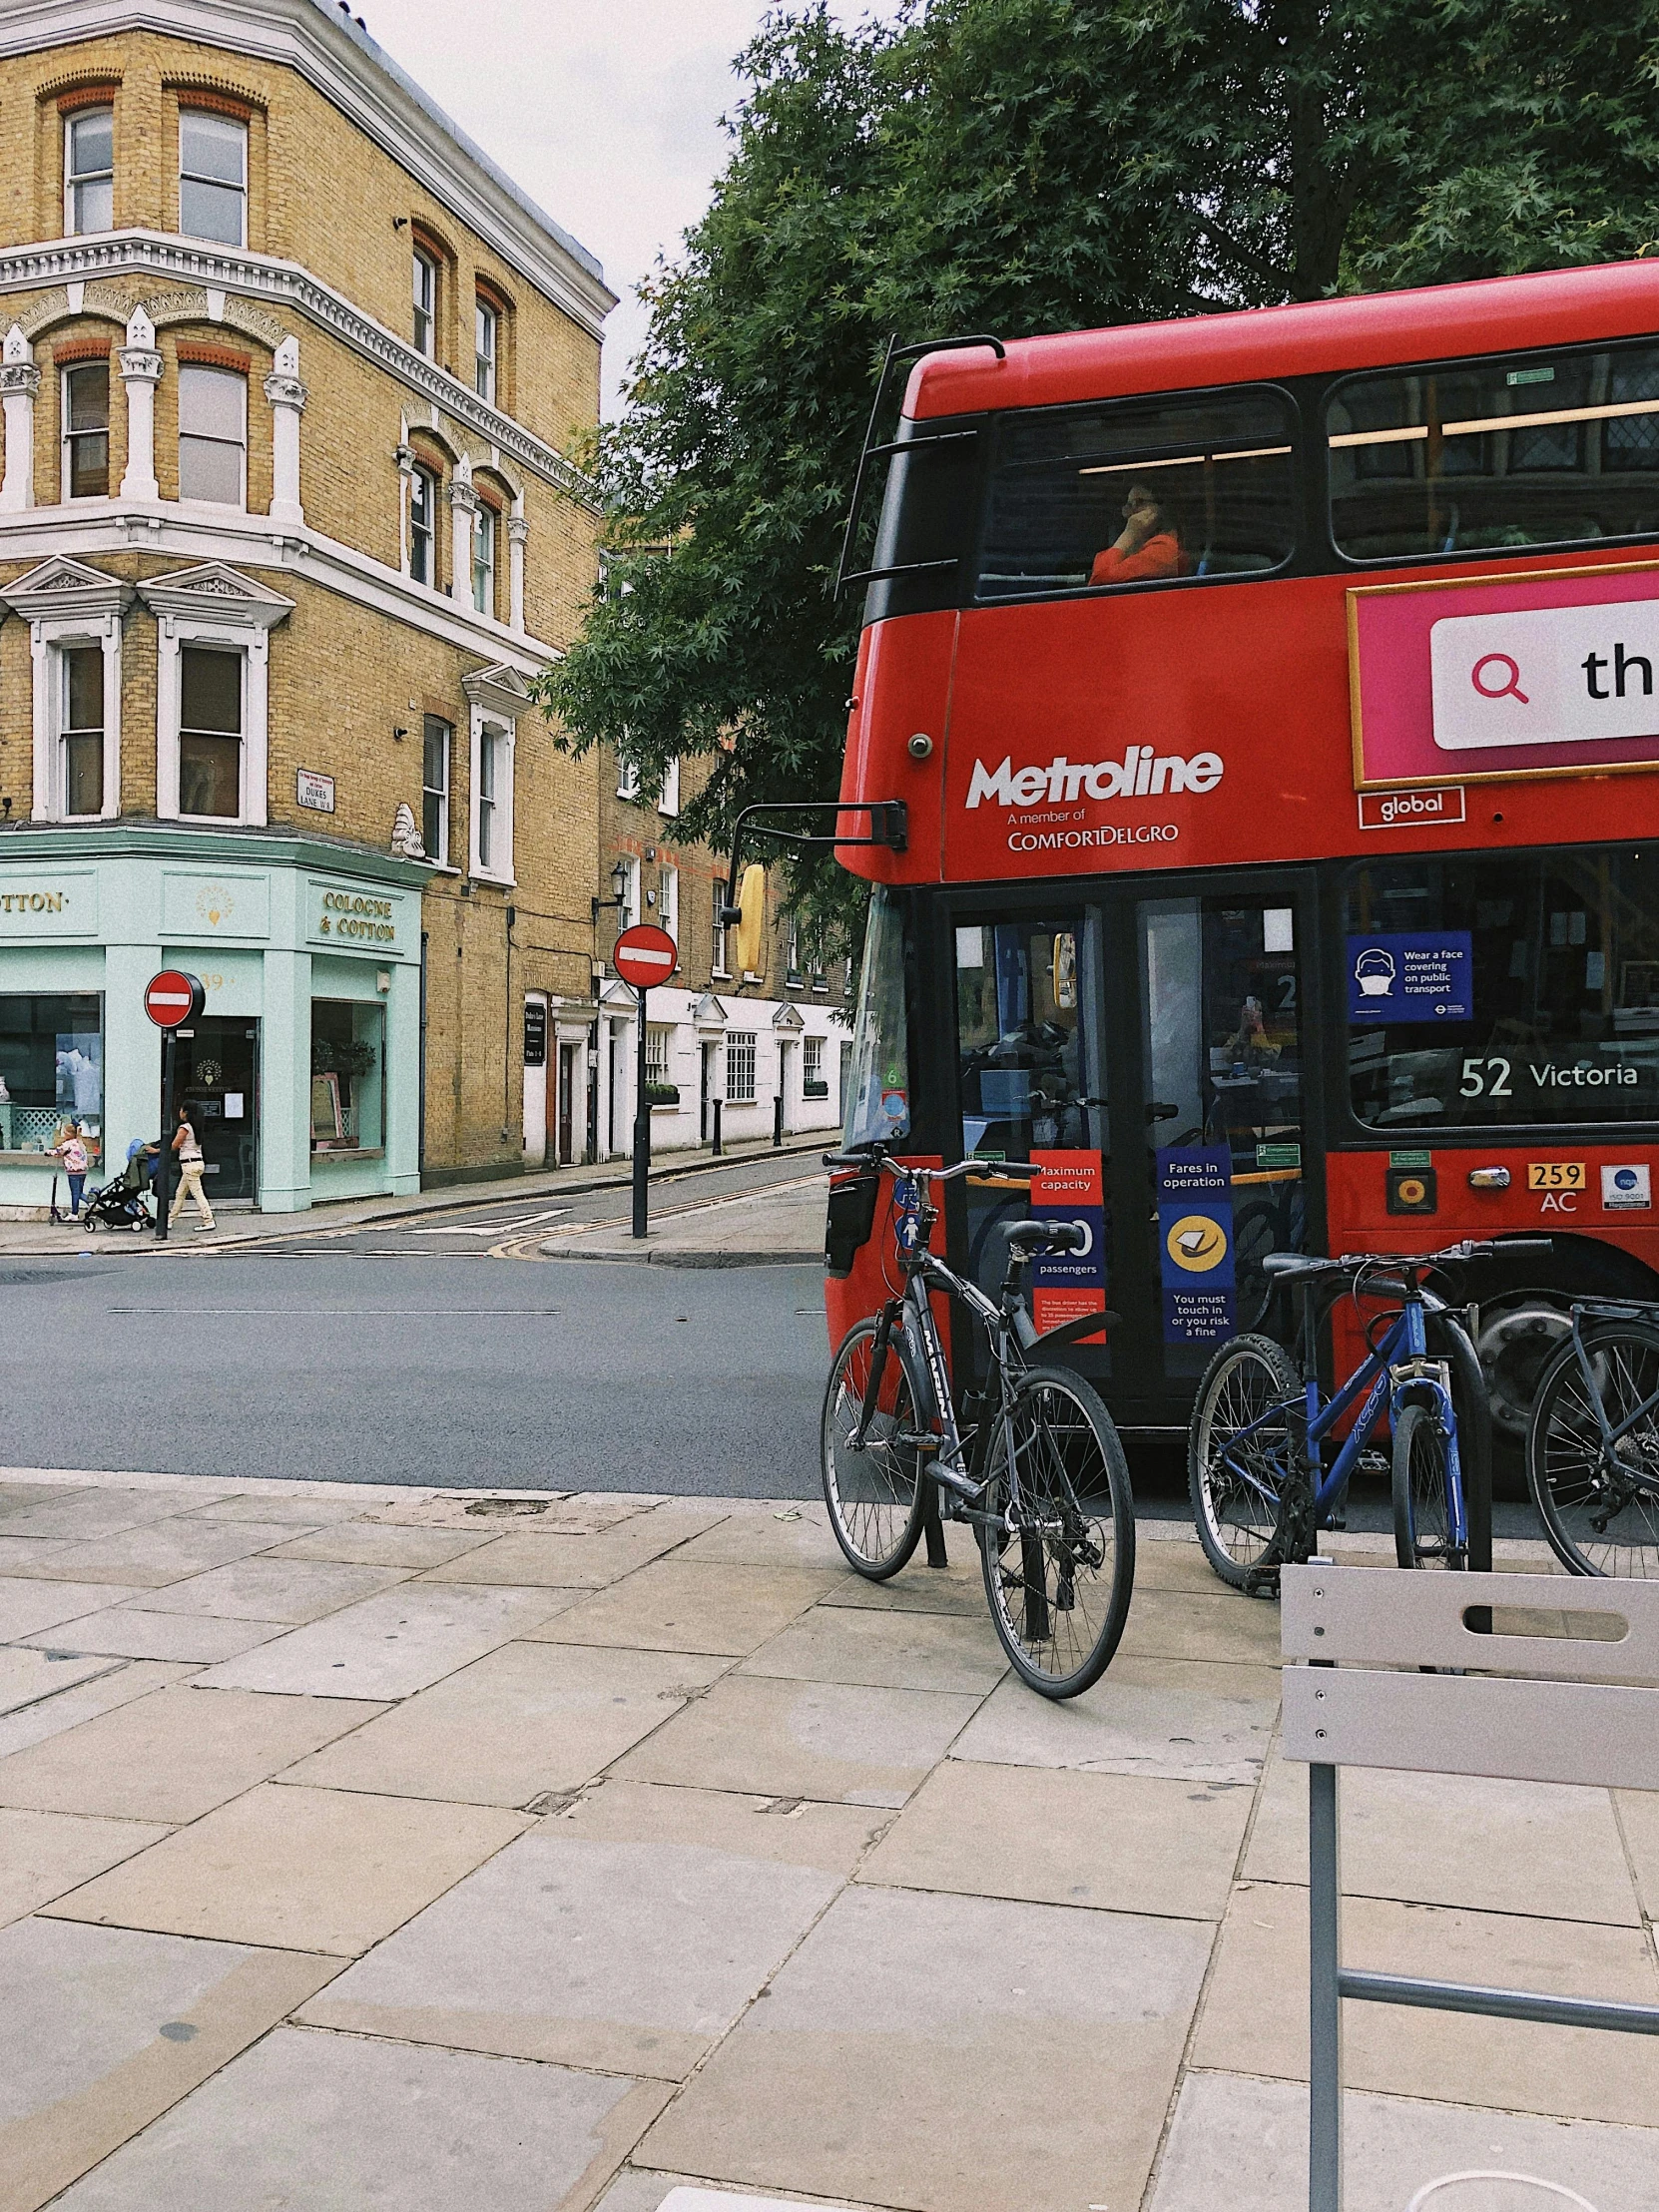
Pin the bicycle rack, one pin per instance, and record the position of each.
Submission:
(1565, 1709)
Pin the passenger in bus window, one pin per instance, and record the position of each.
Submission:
(1148, 545)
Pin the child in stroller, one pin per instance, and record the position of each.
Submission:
(120, 1203)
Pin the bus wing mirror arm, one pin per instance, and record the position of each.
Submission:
(889, 827)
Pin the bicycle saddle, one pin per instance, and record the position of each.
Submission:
(1053, 1235)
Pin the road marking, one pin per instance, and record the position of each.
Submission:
(493, 1228)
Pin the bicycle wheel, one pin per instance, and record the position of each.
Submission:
(1600, 1510)
(1423, 1493)
(1242, 1450)
(1060, 1565)
(873, 1491)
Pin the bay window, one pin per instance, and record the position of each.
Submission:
(212, 177)
(86, 430)
(212, 434)
(89, 171)
(81, 729)
(209, 732)
(423, 509)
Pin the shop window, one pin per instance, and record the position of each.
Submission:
(492, 800)
(485, 527)
(80, 727)
(89, 171)
(423, 509)
(740, 1067)
(212, 434)
(209, 732)
(51, 1068)
(86, 430)
(424, 323)
(438, 741)
(347, 1075)
(212, 177)
(486, 339)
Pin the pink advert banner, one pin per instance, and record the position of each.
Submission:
(1542, 675)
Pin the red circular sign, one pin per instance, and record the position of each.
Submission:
(172, 998)
(645, 955)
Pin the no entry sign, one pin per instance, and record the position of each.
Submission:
(645, 955)
(173, 998)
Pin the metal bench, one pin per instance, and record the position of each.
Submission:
(1545, 1706)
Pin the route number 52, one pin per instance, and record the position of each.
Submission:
(1488, 1078)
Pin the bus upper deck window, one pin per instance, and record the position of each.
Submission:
(1139, 491)
(1476, 457)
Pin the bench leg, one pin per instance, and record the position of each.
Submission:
(1324, 2004)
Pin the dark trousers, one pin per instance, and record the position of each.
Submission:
(77, 1184)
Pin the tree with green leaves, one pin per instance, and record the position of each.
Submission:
(1027, 165)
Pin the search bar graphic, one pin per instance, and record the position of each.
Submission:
(1545, 676)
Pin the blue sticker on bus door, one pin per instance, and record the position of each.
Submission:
(1195, 1243)
(1412, 975)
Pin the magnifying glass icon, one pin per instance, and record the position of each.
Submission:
(1510, 686)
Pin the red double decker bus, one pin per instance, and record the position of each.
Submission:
(1274, 699)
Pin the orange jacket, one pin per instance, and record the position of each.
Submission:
(1158, 556)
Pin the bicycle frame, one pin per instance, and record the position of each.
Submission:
(1395, 1372)
(1612, 1435)
(911, 1313)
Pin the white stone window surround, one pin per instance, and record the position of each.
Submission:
(66, 604)
(495, 697)
(280, 285)
(212, 605)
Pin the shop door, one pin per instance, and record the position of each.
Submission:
(1173, 1026)
(217, 1079)
(567, 1102)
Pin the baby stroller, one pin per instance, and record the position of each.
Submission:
(118, 1204)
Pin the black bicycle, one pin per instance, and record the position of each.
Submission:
(1032, 1463)
(1592, 1445)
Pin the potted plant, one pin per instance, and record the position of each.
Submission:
(662, 1094)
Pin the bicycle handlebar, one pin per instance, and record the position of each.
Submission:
(876, 1156)
(1470, 1248)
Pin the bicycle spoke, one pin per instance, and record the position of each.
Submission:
(1604, 1497)
(1052, 1574)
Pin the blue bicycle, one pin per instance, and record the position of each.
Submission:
(1262, 1465)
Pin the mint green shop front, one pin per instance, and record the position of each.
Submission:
(305, 1071)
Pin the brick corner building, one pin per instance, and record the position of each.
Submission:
(289, 373)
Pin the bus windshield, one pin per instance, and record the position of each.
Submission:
(1504, 989)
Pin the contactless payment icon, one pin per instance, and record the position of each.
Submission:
(1196, 1242)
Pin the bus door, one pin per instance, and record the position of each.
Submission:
(1225, 1168)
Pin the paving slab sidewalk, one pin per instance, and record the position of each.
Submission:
(613, 1852)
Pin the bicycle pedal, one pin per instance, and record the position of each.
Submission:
(920, 1443)
(1262, 1582)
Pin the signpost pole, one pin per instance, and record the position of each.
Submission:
(164, 1160)
(642, 1131)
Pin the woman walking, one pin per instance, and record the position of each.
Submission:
(186, 1146)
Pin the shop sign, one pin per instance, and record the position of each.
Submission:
(354, 918)
(66, 906)
(315, 792)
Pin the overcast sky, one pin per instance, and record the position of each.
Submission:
(605, 111)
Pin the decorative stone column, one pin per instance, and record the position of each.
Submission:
(463, 503)
(519, 530)
(19, 383)
(287, 396)
(404, 455)
(141, 372)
